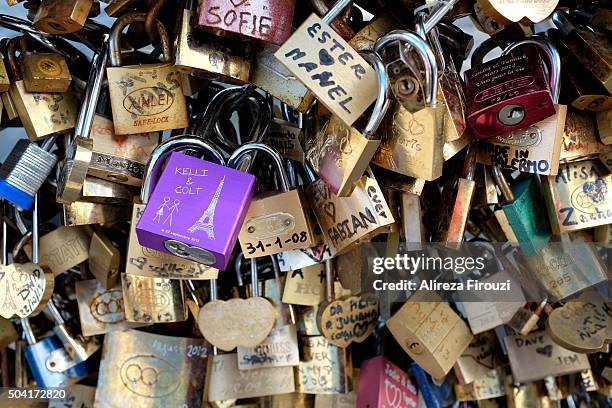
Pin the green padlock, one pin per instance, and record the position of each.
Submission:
(526, 212)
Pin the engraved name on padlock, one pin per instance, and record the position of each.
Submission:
(382, 384)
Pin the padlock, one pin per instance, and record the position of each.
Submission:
(62, 249)
(101, 310)
(97, 190)
(324, 368)
(537, 148)
(209, 240)
(340, 153)
(579, 196)
(345, 220)
(76, 395)
(536, 356)
(507, 94)
(566, 266)
(25, 170)
(479, 358)
(345, 319)
(415, 140)
(258, 382)
(264, 20)
(104, 259)
(526, 318)
(140, 101)
(604, 125)
(78, 347)
(62, 17)
(139, 369)
(27, 287)
(593, 50)
(382, 384)
(280, 347)
(452, 227)
(524, 211)
(119, 158)
(153, 300)
(431, 333)
(50, 364)
(73, 170)
(274, 223)
(305, 286)
(9, 106)
(44, 72)
(205, 54)
(238, 322)
(5, 82)
(580, 141)
(85, 213)
(339, 78)
(41, 114)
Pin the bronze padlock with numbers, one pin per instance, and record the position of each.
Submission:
(42, 114)
(144, 98)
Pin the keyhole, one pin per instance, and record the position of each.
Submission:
(511, 115)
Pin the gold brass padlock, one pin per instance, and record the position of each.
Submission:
(41, 114)
(324, 369)
(62, 16)
(144, 369)
(86, 213)
(5, 82)
(144, 98)
(415, 140)
(104, 259)
(153, 300)
(101, 310)
(431, 333)
(340, 153)
(45, 73)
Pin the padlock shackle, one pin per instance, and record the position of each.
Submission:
(15, 44)
(28, 333)
(55, 313)
(87, 112)
(114, 48)
(432, 38)
(554, 60)
(169, 146)
(281, 173)
(254, 278)
(151, 19)
(335, 11)
(382, 98)
(329, 280)
(503, 185)
(443, 8)
(469, 164)
(427, 57)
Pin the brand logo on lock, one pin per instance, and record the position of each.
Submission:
(107, 307)
(148, 101)
(153, 297)
(49, 67)
(149, 376)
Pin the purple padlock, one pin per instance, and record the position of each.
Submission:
(197, 207)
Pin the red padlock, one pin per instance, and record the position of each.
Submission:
(506, 94)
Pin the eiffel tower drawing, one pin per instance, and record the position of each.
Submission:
(207, 220)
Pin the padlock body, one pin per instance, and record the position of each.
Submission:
(62, 16)
(24, 172)
(211, 56)
(4, 79)
(383, 384)
(340, 155)
(119, 158)
(527, 217)
(41, 358)
(196, 211)
(43, 114)
(275, 224)
(507, 94)
(146, 98)
(266, 20)
(45, 73)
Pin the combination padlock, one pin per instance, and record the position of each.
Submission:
(196, 208)
(50, 364)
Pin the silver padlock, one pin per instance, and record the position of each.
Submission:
(25, 170)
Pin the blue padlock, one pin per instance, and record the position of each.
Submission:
(49, 362)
